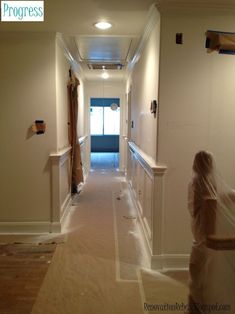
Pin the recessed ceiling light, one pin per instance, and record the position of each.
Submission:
(103, 25)
(105, 75)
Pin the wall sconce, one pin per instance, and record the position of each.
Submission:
(153, 108)
(39, 127)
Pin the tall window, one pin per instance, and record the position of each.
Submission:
(104, 120)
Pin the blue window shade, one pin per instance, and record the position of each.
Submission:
(104, 102)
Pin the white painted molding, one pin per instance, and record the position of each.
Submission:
(147, 162)
(33, 227)
(161, 261)
(154, 234)
(152, 19)
(55, 227)
(74, 63)
(170, 261)
(83, 140)
(203, 6)
(65, 210)
(65, 206)
(60, 156)
(140, 220)
(58, 209)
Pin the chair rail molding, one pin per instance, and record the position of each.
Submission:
(146, 183)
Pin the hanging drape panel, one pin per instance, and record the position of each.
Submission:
(223, 42)
(76, 162)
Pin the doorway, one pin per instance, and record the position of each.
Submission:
(105, 132)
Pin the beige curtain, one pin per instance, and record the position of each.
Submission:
(76, 162)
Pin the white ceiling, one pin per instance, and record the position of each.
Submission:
(75, 20)
(76, 17)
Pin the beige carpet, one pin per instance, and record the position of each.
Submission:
(102, 267)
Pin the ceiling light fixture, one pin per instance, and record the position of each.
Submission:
(103, 25)
(105, 75)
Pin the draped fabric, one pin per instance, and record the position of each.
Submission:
(211, 203)
(76, 162)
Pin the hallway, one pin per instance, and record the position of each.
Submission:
(102, 266)
(104, 160)
(153, 62)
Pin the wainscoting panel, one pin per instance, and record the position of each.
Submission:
(60, 187)
(146, 182)
(84, 149)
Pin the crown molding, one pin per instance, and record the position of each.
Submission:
(74, 64)
(152, 19)
(212, 7)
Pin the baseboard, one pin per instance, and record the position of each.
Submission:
(55, 227)
(25, 227)
(170, 262)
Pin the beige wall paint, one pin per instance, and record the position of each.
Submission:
(62, 78)
(197, 110)
(27, 93)
(81, 110)
(144, 88)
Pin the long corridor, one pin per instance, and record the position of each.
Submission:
(102, 266)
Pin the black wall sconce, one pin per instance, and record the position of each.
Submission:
(39, 127)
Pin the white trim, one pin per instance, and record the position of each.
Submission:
(61, 156)
(163, 261)
(55, 227)
(154, 234)
(147, 162)
(205, 7)
(25, 227)
(74, 64)
(152, 19)
(83, 140)
(170, 261)
(57, 209)
(140, 220)
(65, 208)
(65, 205)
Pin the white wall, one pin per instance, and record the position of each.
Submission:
(81, 110)
(62, 78)
(27, 93)
(197, 110)
(107, 89)
(144, 89)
